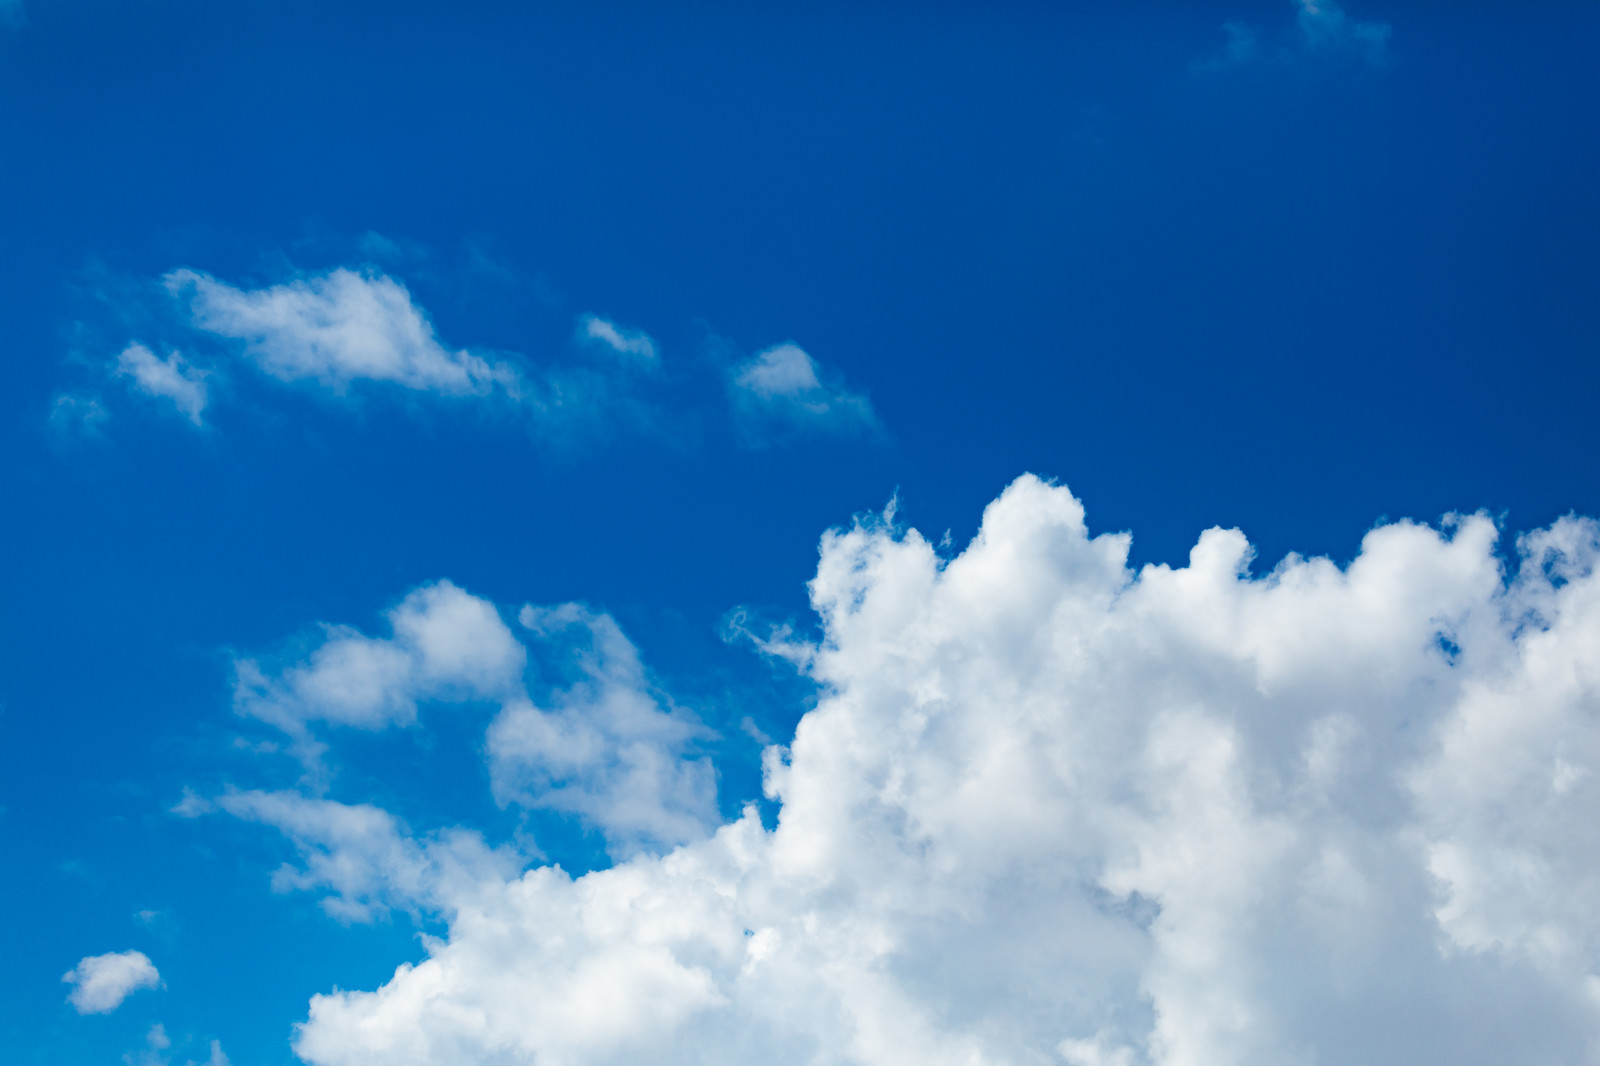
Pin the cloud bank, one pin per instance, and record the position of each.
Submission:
(101, 982)
(1052, 809)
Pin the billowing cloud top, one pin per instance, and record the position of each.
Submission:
(101, 982)
(1050, 809)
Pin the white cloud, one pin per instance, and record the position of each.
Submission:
(596, 330)
(783, 384)
(447, 645)
(604, 749)
(366, 859)
(335, 329)
(101, 982)
(170, 379)
(1049, 809)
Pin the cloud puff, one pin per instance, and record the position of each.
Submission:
(1052, 809)
(170, 379)
(101, 982)
(336, 329)
(783, 385)
(606, 749)
(593, 329)
(78, 415)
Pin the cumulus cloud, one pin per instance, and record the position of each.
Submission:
(592, 329)
(1049, 808)
(608, 749)
(336, 329)
(784, 386)
(170, 379)
(446, 645)
(604, 749)
(101, 982)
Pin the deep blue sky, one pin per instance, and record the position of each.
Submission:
(1293, 293)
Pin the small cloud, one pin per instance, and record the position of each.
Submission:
(78, 414)
(337, 329)
(784, 384)
(170, 378)
(1324, 28)
(101, 982)
(594, 330)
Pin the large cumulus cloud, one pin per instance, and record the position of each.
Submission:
(1049, 809)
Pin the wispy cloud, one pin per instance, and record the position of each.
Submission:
(593, 329)
(171, 379)
(1322, 28)
(783, 388)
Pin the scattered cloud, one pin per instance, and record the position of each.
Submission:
(366, 859)
(336, 329)
(608, 749)
(592, 329)
(78, 415)
(170, 379)
(1052, 808)
(101, 982)
(1322, 27)
(783, 386)
(604, 749)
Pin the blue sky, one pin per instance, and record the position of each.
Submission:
(311, 307)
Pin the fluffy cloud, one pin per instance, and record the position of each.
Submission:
(336, 329)
(170, 379)
(593, 329)
(605, 748)
(1052, 809)
(446, 645)
(101, 982)
(782, 385)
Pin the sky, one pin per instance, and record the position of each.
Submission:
(871, 534)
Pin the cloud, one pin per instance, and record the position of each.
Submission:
(170, 379)
(78, 415)
(782, 385)
(336, 329)
(608, 749)
(101, 982)
(593, 329)
(12, 14)
(1322, 28)
(1051, 808)
(366, 858)
(447, 645)
(605, 749)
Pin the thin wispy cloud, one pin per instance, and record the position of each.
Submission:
(592, 329)
(1322, 28)
(783, 389)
